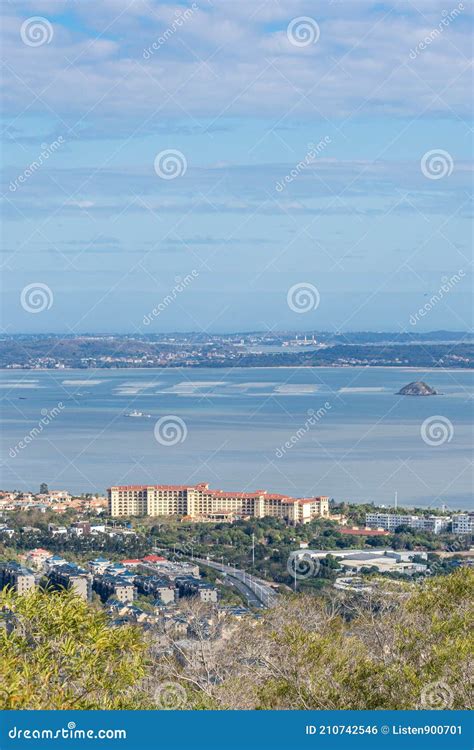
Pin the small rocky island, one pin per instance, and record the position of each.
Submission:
(417, 388)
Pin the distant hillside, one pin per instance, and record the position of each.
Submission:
(49, 352)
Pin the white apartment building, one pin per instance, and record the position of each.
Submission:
(463, 523)
(390, 521)
(199, 502)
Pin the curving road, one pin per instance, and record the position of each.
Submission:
(257, 592)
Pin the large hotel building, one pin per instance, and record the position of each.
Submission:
(198, 502)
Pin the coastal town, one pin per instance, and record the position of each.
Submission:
(143, 552)
(259, 349)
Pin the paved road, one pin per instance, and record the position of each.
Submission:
(257, 592)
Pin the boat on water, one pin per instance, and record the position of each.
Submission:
(138, 414)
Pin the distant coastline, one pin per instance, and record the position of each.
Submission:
(411, 368)
(435, 350)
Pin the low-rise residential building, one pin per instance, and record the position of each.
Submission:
(160, 588)
(18, 577)
(59, 495)
(80, 528)
(54, 561)
(391, 521)
(108, 586)
(190, 586)
(56, 530)
(99, 565)
(71, 577)
(36, 558)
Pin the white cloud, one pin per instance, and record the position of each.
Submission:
(235, 59)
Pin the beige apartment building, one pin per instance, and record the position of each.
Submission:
(199, 502)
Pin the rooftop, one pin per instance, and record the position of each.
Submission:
(215, 493)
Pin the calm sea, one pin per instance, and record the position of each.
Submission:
(332, 431)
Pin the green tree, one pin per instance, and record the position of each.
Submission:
(56, 652)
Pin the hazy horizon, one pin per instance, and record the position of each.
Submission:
(244, 332)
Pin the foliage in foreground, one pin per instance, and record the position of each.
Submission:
(404, 647)
(57, 652)
(409, 648)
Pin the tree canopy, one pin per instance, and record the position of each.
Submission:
(58, 652)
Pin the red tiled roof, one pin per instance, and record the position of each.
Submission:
(202, 487)
(363, 532)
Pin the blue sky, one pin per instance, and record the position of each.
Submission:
(244, 100)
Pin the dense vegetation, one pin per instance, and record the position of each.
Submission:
(274, 541)
(407, 647)
(261, 546)
(57, 652)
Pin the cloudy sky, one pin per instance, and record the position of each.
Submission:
(224, 152)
